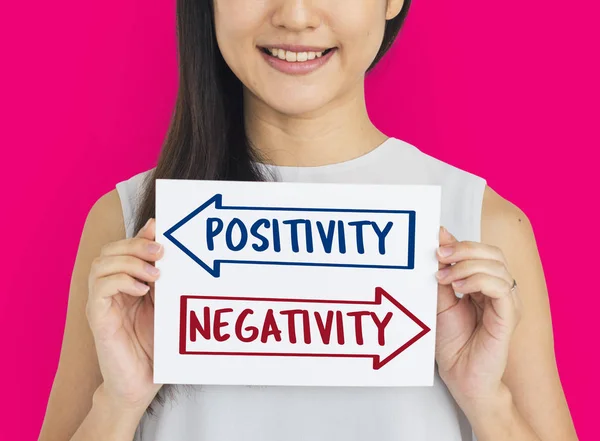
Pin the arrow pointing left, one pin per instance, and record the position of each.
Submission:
(214, 234)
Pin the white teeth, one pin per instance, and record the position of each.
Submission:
(293, 57)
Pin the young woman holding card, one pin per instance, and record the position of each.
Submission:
(274, 89)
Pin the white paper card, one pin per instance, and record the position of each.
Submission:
(278, 283)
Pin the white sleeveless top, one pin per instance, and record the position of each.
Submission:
(276, 413)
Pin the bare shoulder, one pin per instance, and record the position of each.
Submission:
(106, 215)
(78, 375)
(503, 222)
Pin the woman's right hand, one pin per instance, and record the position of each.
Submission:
(120, 311)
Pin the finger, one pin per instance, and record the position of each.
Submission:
(478, 300)
(466, 268)
(141, 245)
(497, 289)
(151, 292)
(119, 283)
(455, 252)
(104, 266)
(148, 230)
(102, 291)
(446, 296)
(517, 301)
(446, 238)
(490, 286)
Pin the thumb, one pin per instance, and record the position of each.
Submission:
(446, 296)
(148, 231)
(446, 238)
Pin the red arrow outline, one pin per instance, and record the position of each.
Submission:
(378, 363)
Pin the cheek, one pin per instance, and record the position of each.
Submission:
(360, 47)
(237, 22)
(360, 34)
(236, 44)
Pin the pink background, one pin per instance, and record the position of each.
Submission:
(87, 91)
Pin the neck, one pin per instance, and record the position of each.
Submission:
(339, 131)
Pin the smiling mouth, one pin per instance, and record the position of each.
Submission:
(294, 56)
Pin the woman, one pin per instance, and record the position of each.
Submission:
(273, 89)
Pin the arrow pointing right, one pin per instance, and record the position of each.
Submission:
(195, 307)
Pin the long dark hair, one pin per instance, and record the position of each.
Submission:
(206, 138)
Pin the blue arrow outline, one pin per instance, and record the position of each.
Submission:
(217, 199)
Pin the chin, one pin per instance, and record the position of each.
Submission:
(296, 105)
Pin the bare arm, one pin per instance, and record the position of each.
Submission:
(107, 420)
(531, 374)
(78, 375)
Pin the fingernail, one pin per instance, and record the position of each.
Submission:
(442, 273)
(141, 286)
(445, 251)
(151, 269)
(447, 233)
(154, 247)
(458, 282)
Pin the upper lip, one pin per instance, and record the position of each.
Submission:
(296, 47)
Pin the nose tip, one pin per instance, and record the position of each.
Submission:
(296, 15)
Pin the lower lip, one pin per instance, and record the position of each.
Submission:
(297, 67)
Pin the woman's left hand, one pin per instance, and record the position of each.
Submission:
(473, 332)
